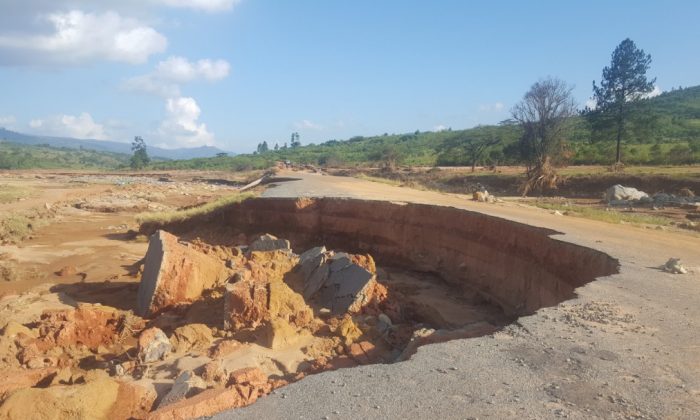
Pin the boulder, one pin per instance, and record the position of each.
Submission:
(279, 334)
(621, 193)
(174, 273)
(245, 304)
(186, 385)
(204, 404)
(191, 337)
(224, 348)
(252, 301)
(268, 242)
(153, 345)
(134, 400)
(347, 289)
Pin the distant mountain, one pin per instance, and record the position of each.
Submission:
(108, 146)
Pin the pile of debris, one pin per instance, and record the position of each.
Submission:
(214, 328)
(621, 196)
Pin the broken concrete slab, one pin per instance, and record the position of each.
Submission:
(268, 242)
(175, 274)
(186, 385)
(346, 289)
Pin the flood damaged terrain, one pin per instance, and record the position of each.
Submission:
(106, 318)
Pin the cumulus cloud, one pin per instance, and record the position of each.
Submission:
(80, 37)
(181, 127)
(210, 6)
(307, 125)
(169, 74)
(81, 126)
(655, 92)
(7, 120)
(439, 128)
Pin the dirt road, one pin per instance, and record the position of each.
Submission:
(626, 347)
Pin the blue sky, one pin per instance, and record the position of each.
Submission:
(232, 73)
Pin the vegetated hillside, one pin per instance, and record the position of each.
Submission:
(106, 146)
(665, 130)
(21, 156)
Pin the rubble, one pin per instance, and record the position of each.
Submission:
(153, 345)
(268, 242)
(621, 193)
(186, 385)
(674, 266)
(175, 274)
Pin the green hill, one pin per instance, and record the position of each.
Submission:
(21, 156)
(666, 130)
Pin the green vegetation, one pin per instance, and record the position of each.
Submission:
(666, 132)
(624, 83)
(177, 216)
(14, 227)
(10, 193)
(19, 156)
(610, 216)
(140, 157)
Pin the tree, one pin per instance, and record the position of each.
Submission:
(140, 157)
(543, 115)
(221, 154)
(295, 140)
(277, 147)
(622, 84)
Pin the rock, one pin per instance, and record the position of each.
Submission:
(174, 274)
(557, 213)
(619, 192)
(250, 302)
(206, 403)
(279, 334)
(186, 385)
(93, 326)
(248, 376)
(686, 192)
(348, 330)
(383, 323)
(153, 345)
(134, 400)
(191, 337)
(674, 266)
(245, 304)
(224, 348)
(93, 400)
(268, 242)
(346, 290)
(68, 270)
(214, 373)
(480, 196)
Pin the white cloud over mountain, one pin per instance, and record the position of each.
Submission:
(78, 126)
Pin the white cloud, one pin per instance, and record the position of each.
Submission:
(80, 37)
(169, 74)
(307, 125)
(181, 127)
(655, 92)
(439, 128)
(591, 103)
(7, 121)
(81, 126)
(496, 107)
(203, 5)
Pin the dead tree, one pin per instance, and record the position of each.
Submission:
(543, 114)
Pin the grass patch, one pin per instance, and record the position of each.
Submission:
(609, 216)
(386, 181)
(14, 227)
(12, 193)
(176, 216)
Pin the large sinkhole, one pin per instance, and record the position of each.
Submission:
(249, 297)
(451, 273)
